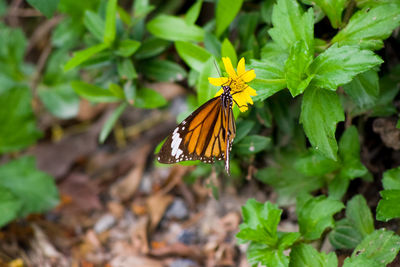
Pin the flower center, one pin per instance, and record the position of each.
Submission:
(237, 84)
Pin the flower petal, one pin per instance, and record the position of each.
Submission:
(248, 76)
(242, 99)
(218, 81)
(219, 92)
(241, 69)
(250, 91)
(228, 67)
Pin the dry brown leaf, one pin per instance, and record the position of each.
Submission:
(140, 242)
(390, 135)
(156, 205)
(128, 261)
(116, 209)
(231, 221)
(179, 250)
(80, 193)
(92, 239)
(125, 188)
(88, 111)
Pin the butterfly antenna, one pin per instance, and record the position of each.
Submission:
(216, 67)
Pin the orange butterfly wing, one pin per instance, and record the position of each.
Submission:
(205, 135)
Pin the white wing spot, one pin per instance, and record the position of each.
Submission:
(176, 141)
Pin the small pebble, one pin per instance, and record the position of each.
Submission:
(183, 263)
(188, 237)
(146, 184)
(177, 210)
(104, 223)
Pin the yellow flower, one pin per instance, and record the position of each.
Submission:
(240, 90)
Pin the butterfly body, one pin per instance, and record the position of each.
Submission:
(206, 135)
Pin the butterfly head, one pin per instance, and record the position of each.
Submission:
(227, 89)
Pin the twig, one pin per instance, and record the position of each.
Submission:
(40, 67)
(24, 12)
(41, 31)
(349, 12)
(13, 20)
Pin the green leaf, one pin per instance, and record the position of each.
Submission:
(360, 261)
(126, 69)
(369, 26)
(83, 55)
(193, 12)
(44, 6)
(266, 11)
(271, 51)
(372, 3)
(253, 144)
(391, 179)
(258, 253)
(287, 181)
(270, 78)
(364, 89)
(93, 92)
(358, 223)
(148, 98)
(127, 48)
(247, 24)
(315, 164)
(130, 92)
(242, 129)
(212, 44)
(291, 24)
(359, 215)
(60, 100)
(9, 206)
(35, 189)
(338, 187)
(95, 24)
(163, 70)
(305, 255)
(174, 29)
(381, 246)
(320, 112)
(388, 91)
(344, 235)
(193, 55)
(338, 65)
(227, 50)
(316, 214)
(205, 90)
(260, 222)
(111, 120)
(110, 27)
(18, 125)
(295, 68)
(349, 151)
(333, 9)
(124, 16)
(151, 47)
(226, 12)
(142, 8)
(388, 207)
(116, 90)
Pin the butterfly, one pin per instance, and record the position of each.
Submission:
(206, 135)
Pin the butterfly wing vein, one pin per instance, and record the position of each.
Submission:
(203, 135)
